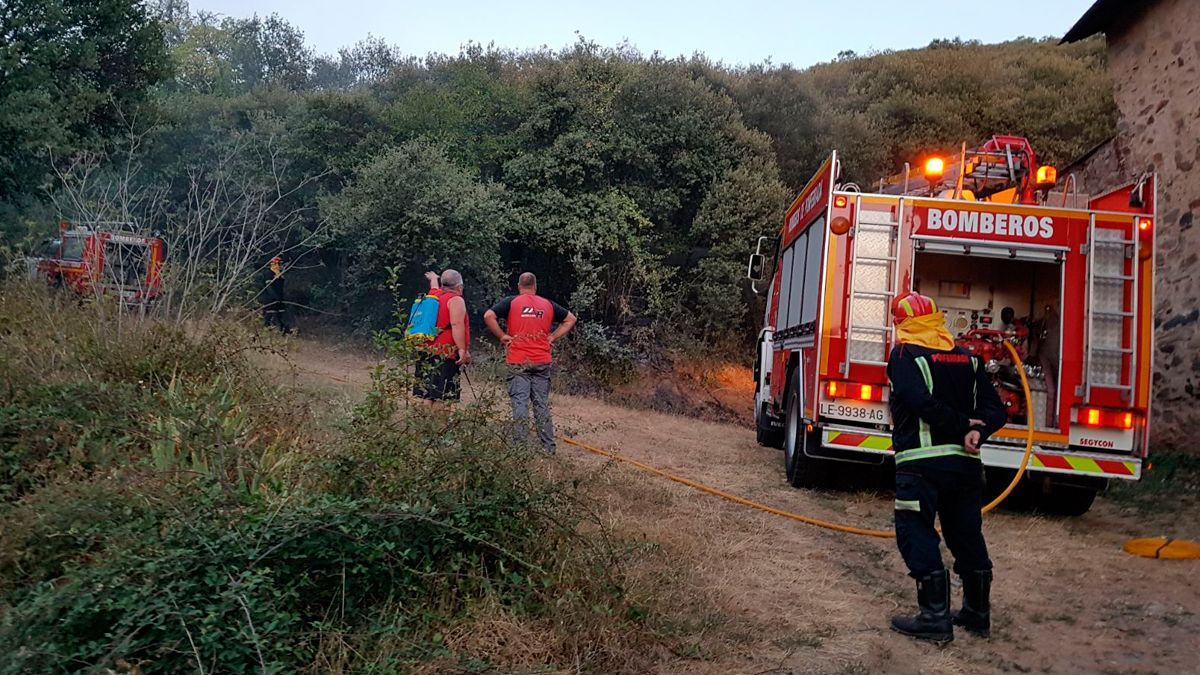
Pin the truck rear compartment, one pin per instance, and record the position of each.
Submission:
(974, 292)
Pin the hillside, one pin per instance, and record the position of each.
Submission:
(884, 109)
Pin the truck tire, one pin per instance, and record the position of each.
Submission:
(1067, 500)
(801, 470)
(765, 434)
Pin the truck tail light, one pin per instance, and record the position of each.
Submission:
(1095, 417)
(861, 392)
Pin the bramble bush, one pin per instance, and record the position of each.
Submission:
(168, 509)
(592, 356)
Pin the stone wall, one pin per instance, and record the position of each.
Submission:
(1155, 66)
(1101, 169)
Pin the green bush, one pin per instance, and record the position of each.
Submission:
(592, 358)
(243, 586)
(87, 389)
(167, 510)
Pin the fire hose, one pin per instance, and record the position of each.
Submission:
(837, 527)
(1164, 548)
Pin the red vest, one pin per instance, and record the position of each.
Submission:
(529, 320)
(444, 342)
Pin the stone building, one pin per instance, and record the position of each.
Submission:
(1154, 61)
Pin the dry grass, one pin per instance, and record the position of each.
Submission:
(742, 592)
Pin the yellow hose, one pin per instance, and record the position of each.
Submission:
(849, 529)
(1028, 430)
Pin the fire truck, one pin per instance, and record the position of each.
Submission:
(102, 258)
(1009, 255)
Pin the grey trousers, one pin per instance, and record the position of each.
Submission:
(525, 383)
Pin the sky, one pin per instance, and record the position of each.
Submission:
(800, 32)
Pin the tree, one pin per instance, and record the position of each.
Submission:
(367, 62)
(745, 203)
(410, 210)
(237, 55)
(68, 69)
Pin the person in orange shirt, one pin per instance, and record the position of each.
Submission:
(438, 363)
(529, 319)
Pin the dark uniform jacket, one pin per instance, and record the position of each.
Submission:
(272, 294)
(934, 394)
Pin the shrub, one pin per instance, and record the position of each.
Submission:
(168, 510)
(88, 389)
(593, 358)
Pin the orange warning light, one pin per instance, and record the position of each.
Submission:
(1144, 224)
(934, 167)
(1047, 176)
(840, 201)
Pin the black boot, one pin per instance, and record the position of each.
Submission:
(976, 612)
(933, 622)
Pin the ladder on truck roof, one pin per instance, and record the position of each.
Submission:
(874, 279)
(1112, 308)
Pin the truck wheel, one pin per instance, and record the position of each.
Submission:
(1067, 500)
(766, 435)
(802, 471)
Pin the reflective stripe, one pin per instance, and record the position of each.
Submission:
(924, 368)
(926, 437)
(908, 505)
(932, 451)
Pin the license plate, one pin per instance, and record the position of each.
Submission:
(859, 411)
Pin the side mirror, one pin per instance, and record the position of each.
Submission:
(757, 268)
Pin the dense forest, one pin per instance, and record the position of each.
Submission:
(634, 184)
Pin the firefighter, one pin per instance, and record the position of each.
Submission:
(943, 409)
(274, 304)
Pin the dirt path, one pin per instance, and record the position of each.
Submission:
(797, 599)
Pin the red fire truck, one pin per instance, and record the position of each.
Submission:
(110, 259)
(1066, 278)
